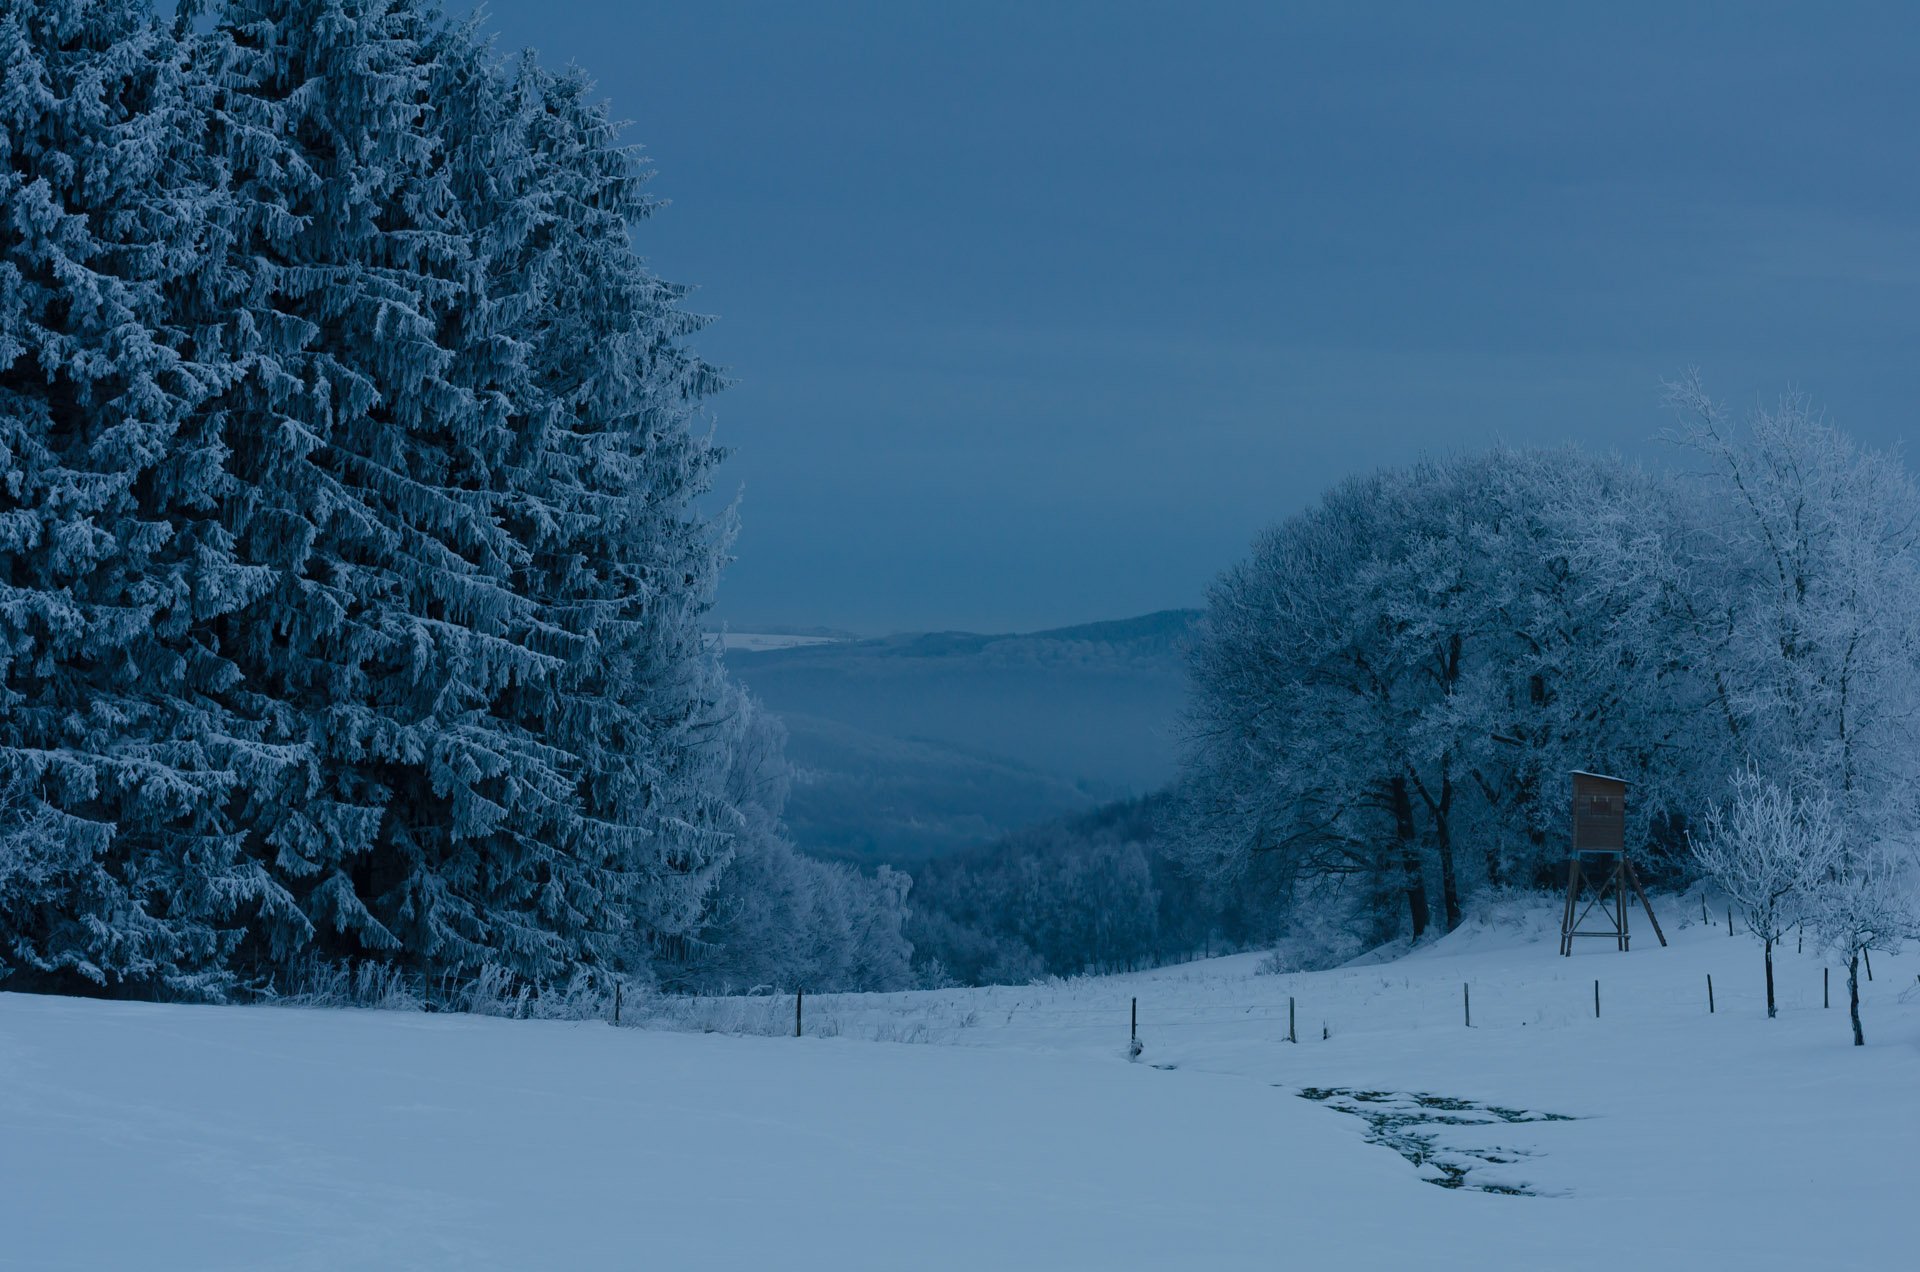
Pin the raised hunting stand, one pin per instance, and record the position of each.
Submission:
(1599, 875)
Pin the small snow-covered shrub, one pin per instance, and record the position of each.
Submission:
(314, 982)
(497, 992)
(1276, 963)
(1521, 910)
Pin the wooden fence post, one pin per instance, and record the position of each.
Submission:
(1133, 1025)
(1709, 993)
(1466, 1001)
(1291, 1036)
(799, 997)
(1729, 920)
(1826, 987)
(616, 1002)
(1596, 1000)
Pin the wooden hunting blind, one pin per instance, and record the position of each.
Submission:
(1599, 876)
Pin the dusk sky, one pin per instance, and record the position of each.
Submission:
(1038, 312)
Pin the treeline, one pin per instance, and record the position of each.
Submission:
(353, 576)
(780, 918)
(1389, 693)
(1102, 892)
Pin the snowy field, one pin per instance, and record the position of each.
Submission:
(1002, 1128)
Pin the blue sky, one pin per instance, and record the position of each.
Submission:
(1039, 311)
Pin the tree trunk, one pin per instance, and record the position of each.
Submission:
(1409, 853)
(1443, 840)
(1443, 815)
(1853, 997)
(1771, 1010)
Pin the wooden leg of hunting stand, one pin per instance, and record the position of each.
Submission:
(1573, 898)
(1620, 904)
(1633, 878)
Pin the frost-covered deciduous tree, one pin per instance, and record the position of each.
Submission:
(1581, 663)
(1771, 851)
(1390, 691)
(1806, 604)
(1864, 903)
(121, 866)
(1293, 752)
(1096, 893)
(774, 915)
(1387, 695)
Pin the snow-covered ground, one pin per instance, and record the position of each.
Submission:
(1017, 1136)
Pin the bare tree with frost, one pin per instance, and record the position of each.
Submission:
(1865, 904)
(1771, 851)
(1803, 602)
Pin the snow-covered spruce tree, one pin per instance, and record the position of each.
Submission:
(621, 564)
(370, 447)
(584, 346)
(555, 894)
(121, 866)
(1770, 851)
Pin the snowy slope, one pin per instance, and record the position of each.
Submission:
(179, 1137)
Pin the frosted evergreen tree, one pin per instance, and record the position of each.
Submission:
(557, 898)
(120, 863)
(622, 565)
(355, 574)
(368, 449)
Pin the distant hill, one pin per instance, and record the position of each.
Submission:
(870, 799)
(913, 746)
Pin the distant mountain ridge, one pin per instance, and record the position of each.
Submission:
(914, 745)
(1162, 633)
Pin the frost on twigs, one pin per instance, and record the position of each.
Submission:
(1772, 852)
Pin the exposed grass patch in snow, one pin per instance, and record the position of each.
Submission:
(1405, 1122)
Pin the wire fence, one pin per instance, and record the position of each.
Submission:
(1363, 1001)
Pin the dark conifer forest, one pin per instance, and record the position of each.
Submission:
(355, 573)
